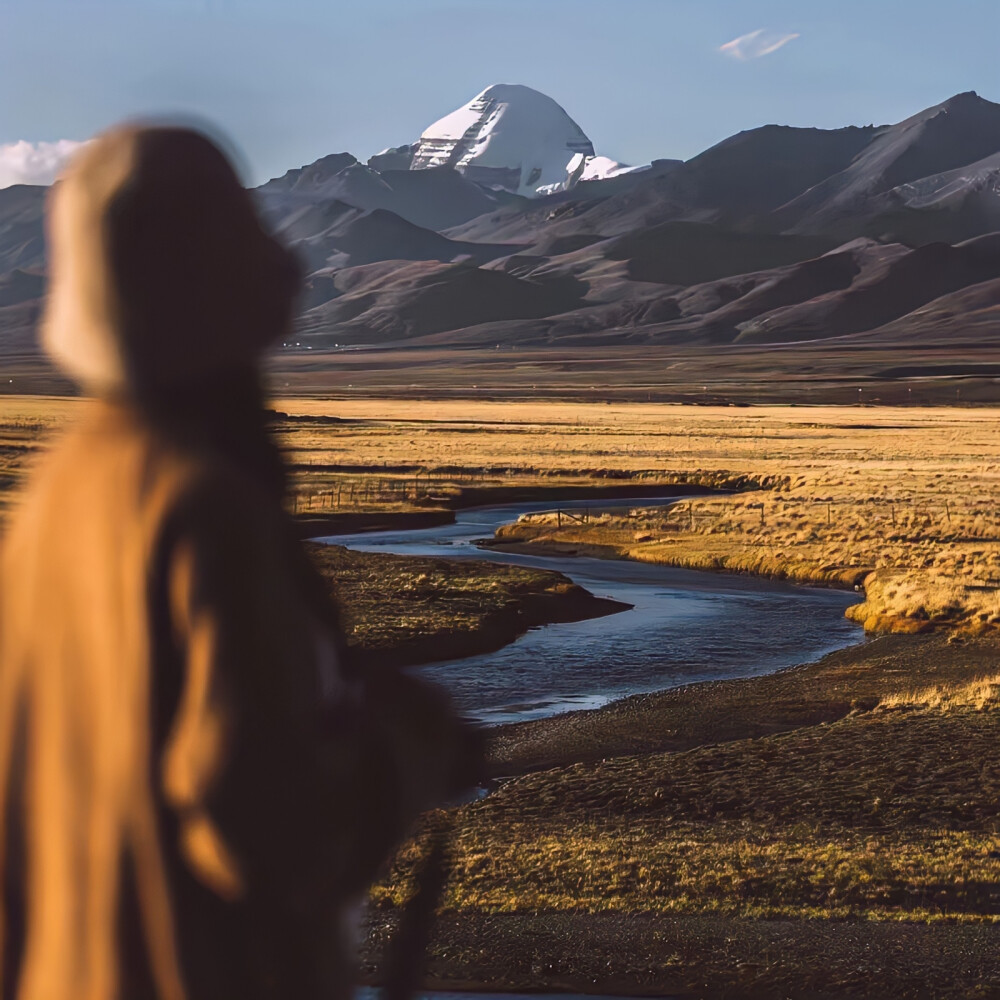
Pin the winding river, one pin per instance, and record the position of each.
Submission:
(685, 625)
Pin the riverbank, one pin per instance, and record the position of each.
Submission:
(407, 610)
(614, 537)
(831, 830)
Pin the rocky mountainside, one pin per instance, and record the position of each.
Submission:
(501, 225)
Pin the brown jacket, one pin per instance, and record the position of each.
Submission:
(166, 741)
(193, 780)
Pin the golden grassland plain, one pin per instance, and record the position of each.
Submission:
(904, 501)
(831, 830)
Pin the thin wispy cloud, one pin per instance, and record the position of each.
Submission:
(756, 44)
(26, 162)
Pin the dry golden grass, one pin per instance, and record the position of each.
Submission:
(982, 694)
(905, 500)
(738, 869)
(889, 815)
(919, 570)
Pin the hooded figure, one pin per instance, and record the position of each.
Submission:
(194, 780)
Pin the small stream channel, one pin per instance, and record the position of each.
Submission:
(685, 626)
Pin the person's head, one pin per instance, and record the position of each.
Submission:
(161, 276)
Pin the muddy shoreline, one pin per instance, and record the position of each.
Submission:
(850, 681)
(700, 958)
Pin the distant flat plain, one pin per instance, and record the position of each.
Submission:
(842, 370)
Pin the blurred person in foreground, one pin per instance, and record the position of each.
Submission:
(195, 781)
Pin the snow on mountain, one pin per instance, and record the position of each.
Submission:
(599, 168)
(981, 178)
(588, 168)
(512, 137)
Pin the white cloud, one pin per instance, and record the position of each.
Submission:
(26, 162)
(756, 44)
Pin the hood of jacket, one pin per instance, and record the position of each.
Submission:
(161, 275)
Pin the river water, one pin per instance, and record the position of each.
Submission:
(685, 625)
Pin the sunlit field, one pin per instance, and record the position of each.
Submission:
(904, 501)
(825, 494)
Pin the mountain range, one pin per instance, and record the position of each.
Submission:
(501, 225)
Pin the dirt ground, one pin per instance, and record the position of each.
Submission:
(823, 832)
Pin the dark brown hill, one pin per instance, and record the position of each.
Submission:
(688, 253)
(892, 288)
(22, 241)
(416, 299)
(965, 320)
(736, 183)
(355, 237)
(962, 131)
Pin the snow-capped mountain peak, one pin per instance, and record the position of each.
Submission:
(512, 137)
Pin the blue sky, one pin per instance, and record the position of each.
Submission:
(291, 80)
